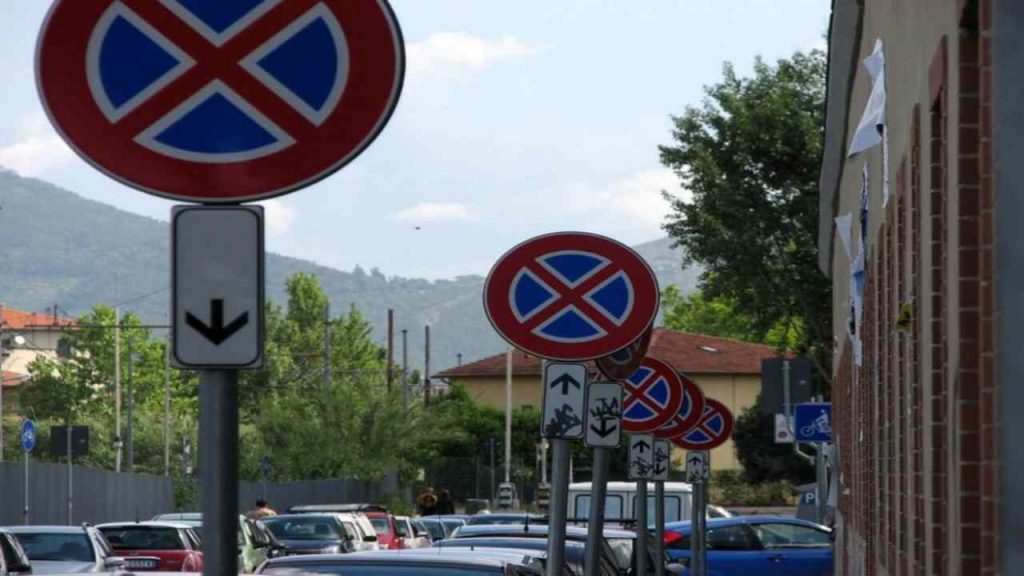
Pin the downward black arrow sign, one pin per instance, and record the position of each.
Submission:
(604, 431)
(216, 332)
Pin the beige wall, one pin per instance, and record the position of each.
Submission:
(737, 392)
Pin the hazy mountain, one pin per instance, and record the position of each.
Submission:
(59, 248)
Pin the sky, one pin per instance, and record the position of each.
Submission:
(517, 118)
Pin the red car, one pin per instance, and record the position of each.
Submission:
(155, 546)
(391, 534)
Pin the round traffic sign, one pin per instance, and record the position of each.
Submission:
(689, 413)
(654, 395)
(571, 296)
(711, 431)
(28, 435)
(621, 364)
(219, 101)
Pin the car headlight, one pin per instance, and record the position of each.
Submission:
(330, 549)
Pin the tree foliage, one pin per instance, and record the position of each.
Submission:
(719, 317)
(749, 156)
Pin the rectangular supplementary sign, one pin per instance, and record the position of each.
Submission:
(698, 467)
(564, 400)
(641, 457)
(604, 415)
(773, 377)
(662, 460)
(217, 286)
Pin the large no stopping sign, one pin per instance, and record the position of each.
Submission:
(219, 100)
(571, 296)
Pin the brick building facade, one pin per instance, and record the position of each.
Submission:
(928, 483)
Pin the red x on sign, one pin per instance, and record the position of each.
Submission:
(220, 101)
(571, 296)
(654, 395)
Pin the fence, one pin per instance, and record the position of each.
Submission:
(99, 495)
(282, 496)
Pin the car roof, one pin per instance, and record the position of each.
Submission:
(179, 516)
(741, 520)
(539, 530)
(337, 508)
(386, 557)
(45, 529)
(529, 543)
(150, 524)
(631, 487)
(270, 519)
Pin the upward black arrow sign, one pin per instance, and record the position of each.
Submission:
(641, 445)
(565, 380)
(216, 332)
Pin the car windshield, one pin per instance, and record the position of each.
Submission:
(436, 530)
(303, 528)
(382, 570)
(143, 538)
(381, 526)
(52, 547)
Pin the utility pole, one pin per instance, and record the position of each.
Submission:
(131, 405)
(458, 359)
(426, 365)
(405, 371)
(167, 406)
(391, 349)
(118, 442)
(327, 346)
(2, 356)
(508, 415)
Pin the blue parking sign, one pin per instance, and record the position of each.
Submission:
(813, 422)
(28, 435)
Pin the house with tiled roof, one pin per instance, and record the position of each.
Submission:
(727, 370)
(25, 336)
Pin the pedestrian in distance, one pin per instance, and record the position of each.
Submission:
(427, 503)
(445, 504)
(261, 511)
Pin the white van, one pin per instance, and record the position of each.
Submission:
(620, 502)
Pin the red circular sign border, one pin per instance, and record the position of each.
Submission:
(610, 373)
(730, 423)
(256, 179)
(499, 313)
(666, 369)
(690, 387)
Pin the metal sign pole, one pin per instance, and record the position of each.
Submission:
(821, 495)
(595, 521)
(218, 465)
(559, 506)
(71, 477)
(24, 512)
(698, 465)
(659, 528)
(640, 512)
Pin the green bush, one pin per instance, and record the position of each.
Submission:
(729, 488)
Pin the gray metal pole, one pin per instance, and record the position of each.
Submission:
(218, 465)
(821, 495)
(426, 365)
(327, 346)
(508, 415)
(71, 478)
(640, 513)
(118, 441)
(167, 406)
(131, 405)
(659, 528)
(698, 530)
(405, 371)
(494, 481)
(24, 512)
(595, 520)
(559, 507)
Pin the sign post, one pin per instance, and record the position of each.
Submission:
(698, 472)
(641, 469)
(564, 404)
(812, 422)
(604, 431)
(569, 297)
(662, 465)
(28, 443)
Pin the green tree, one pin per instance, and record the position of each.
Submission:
(749, 155)
(720, 317)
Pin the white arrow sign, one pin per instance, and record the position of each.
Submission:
(641, 457)
(604, 415)
(662, 459)
(564, 400)
(698, 467)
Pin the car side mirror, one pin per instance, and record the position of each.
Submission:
(113, 563)
(675, 568)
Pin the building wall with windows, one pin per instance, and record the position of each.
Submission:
(917, 420)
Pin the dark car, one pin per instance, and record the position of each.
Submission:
(441, 527)
(13, 559)
(312, 534)
(758, 545)
(513, 518)
(575, 552)
(388, 563)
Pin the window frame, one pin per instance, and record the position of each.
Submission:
(764, 545)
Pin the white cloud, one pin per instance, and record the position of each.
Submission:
(465, 51)
(36, 148)
(279, 216)
(434, 212)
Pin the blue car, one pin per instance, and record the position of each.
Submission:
(766, 545)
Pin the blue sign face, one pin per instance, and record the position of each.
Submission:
(813, 422)
(28, 435)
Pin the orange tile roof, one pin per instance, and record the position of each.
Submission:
(689, 353)
(18, 320)
(12, 379)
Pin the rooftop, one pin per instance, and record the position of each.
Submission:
(689, 353)
(12, 319)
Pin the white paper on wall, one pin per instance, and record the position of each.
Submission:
(844, 228)
(872, 122)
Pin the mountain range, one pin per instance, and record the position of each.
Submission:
(60, 249)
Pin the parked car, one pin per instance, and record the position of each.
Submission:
(506, 518)
(13, 559)
(357, 512)
(154, 546)
(256, 544)
(66, 549)
(384, 563)
(415, 534)
(386, 528)
(574, 551)
(313, 533)
(441, 527)
(758, 545)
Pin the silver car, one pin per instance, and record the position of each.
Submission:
(66, 549)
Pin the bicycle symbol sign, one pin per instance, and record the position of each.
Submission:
(813, 422)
